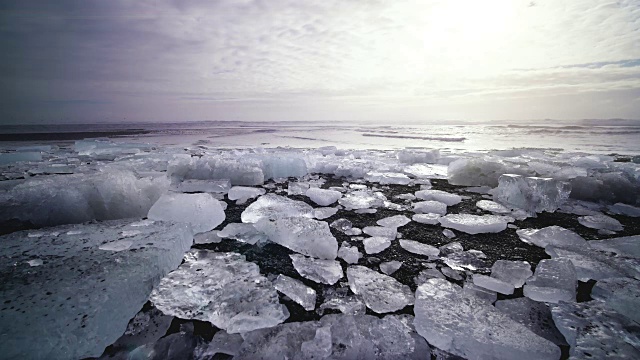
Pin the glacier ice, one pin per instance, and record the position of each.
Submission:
(222, 288)
(619, 294)
(554, 280)
(601, 222)
(533, 194)
(244, 193)
(624, 209)
(381, 293)
(492, 206)
(448, 233)
(381, 231)
(493, 284)
(212, 186)
(475, 172)
(414, 156)
(475, 224)
(324, 212)
(271, 206)
(81, 298)
(627, 245)
(511, 272)
(362, 199)
(552, 235)
(438, 195)
(221, 343)
(323, 197)
(387, 178)
(536, 316)
(8, 158)
(304, 235)
(419, 248)
(590, 264)
(296, 291)
(242, 232)
(202, 211)
(318, 270)
(467, 326)
(376, 244)
(345, 226)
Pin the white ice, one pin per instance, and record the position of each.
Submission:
(376, 244)
(381, 293)
(395, 221)
(554, 280)
(323, 197)
(318, 270)
(389, 267)
(296, 291)
(475, 224)
(428, 218)
(243, 193)
(419, 248)
(301, 234)
(430, 207)
(438, 195)
(242, 232)
(271, 206)
(201, 211)
(552, 235)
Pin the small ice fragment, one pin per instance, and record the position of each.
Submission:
(427, 274)
(301, 234)
(429, 218)
(35, 262)
(600, 221)
(439, 195)
(475, 224)
(366, 211)
(419, 248)
(207, 237)
(554, 280)
(324, 212)
(389, 233)
(511, 272)
(274, 207)
(448, 233)
(390, 267)
(242, 232)
(350, 254)
(493, 284)
(202, 211)
(362, 199)
(381, 293)
(492, 206)
(394, 221)
(323, 197)
(129, 233)
(376, 244)
(244, 193)
(430, 206)
(35, 234)
(321, 271)
(450, 273)
(297, 291)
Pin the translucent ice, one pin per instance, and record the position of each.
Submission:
(324, 212)
(536, 316)
(321, 271)
(467, 326)
(323, 197)
(345, 226)
(590, 264)
(242, 232)
(438, 195)
(8, 158)
(222, 288)
(274, 207)
(627, 246)
(554, 280)
(362, 200)
(464, 260)
(475, 172)
(532, 194)
(244, 193)
(624, 209)
(381, 293)
(297, 291)
(202, 211)
(619, 294)
(552, 235)
(475, 224)
(430, 207)
(448, 233)
(511, 272)
(419, 248)
(389, 233)
(493, 284)
(395, 221)
(429, 218)
(301, 234)
(390, 267)
(603, 222)
(81, 298)
(492, 206)
(376, 244)
(212, 186)
(387, 178)
(413, 156)
(350, 254)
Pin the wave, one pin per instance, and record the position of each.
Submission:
(445, 139)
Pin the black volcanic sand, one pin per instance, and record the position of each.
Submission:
(274, 259)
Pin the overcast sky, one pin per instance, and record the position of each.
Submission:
(396, 60)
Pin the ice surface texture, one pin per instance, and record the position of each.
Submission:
(306, 236)
(297, 291)
(272, 207)
(475, 224)
(318, 270)
(81, 298)
(222, 288)
(381, 293)
(533, 194)
(202, 211)
(323, 197)
(554, 280)
(466, 326)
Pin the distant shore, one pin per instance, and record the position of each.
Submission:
(66, 136)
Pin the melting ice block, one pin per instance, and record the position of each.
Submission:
(419, 248)
(306, 236)
(222, 288)
(475, 224)
(202, 211)
(390, 267)
(297, 291)
(389, 233)
(387, 178)
(345, 226)
(324, 212)
(492, 206)
(321, 271)
(350, 254)
(595, 332)
(554, 280)
(536, 316)
(381, 293)
(590, 264)
(601, 222)
(619, 294)
(212, 186)
(430, 207)
(271, 206)
(466, 326)
(429, 218)
(242, 232)
(627, 245)
(438, 195)
(624, 209)
(511, 272)
(395, 221)
(362, 199)
(475, 172)
(532, 194)
(493, 284)
(81, 298)
(244, 193)
(323, 197)
(376, 244)
(552, 235)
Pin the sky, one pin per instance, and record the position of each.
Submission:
(390, 61)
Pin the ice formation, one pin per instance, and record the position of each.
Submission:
(555, 280)
(493, 284)
(88, 295)
(619, 294)
(475, 224)
(387, 178)
(242, 232)
(244, 193)
(350, 254)
(552, 235)
(511, 272)
(438, 195)
(323, 197)
(381, 293)
(429, 218)
(395, 221)
(532, 194)
(627, 245)
(430, 207)
(362, 199)
(381, 231)
(222, 288)
(624, 209)
(306, 236)
(419, 248)
(493, 207)
(390, 267)
(273, 207)
(376, 244)
(466, 326)
(210, 186)
(536, 316)
(345, 226)
(600, 221)
(296, 291)
(318, 270)
(201, 211)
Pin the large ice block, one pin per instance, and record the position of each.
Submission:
(323, 197)
(532, 194)
(202, 211)
(80, 299)
(271, 206)
(554, 280)
(306, 236)
(318, 270)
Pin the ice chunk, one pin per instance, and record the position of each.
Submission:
(484, 294)
(297, 291)
(301, 234)
(389, 233)
(493, 284)
(35, 262)
(532, 194)
(245, 171)
(591, 264)
(430, 207)
(242, 232)
(349, 305)
(202, 211)
(244, 193)
(81, 298)
(362, 200)
(466, 326)
(603, 222)
(387, 178)
(212, 186)
(627, 246)
(146, 327)
(439, 195)
(323, 197)
(475, 172)
(271, 206)
(428, 218)
(619, 294)
(552, 235)
(492, 206)
(297, 188)
(419, 248)
(222, 343)
(8, 158)
(222, 288)
(321, 271)
(381, 293)
(511, 272)
(475, 224)
(118, 245)
(596, 332)
(427, 274)
(448, 233)
(554, 280)
(624, 209)
(376, 244)
(461, 260)
(427, 171)
(536, 316)
(324, 212)
(395, 221)
(350, 254)
(320, 346)
(209, 237)
(390, 267)
(450, 273)
(345, 226)
(411, 156)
